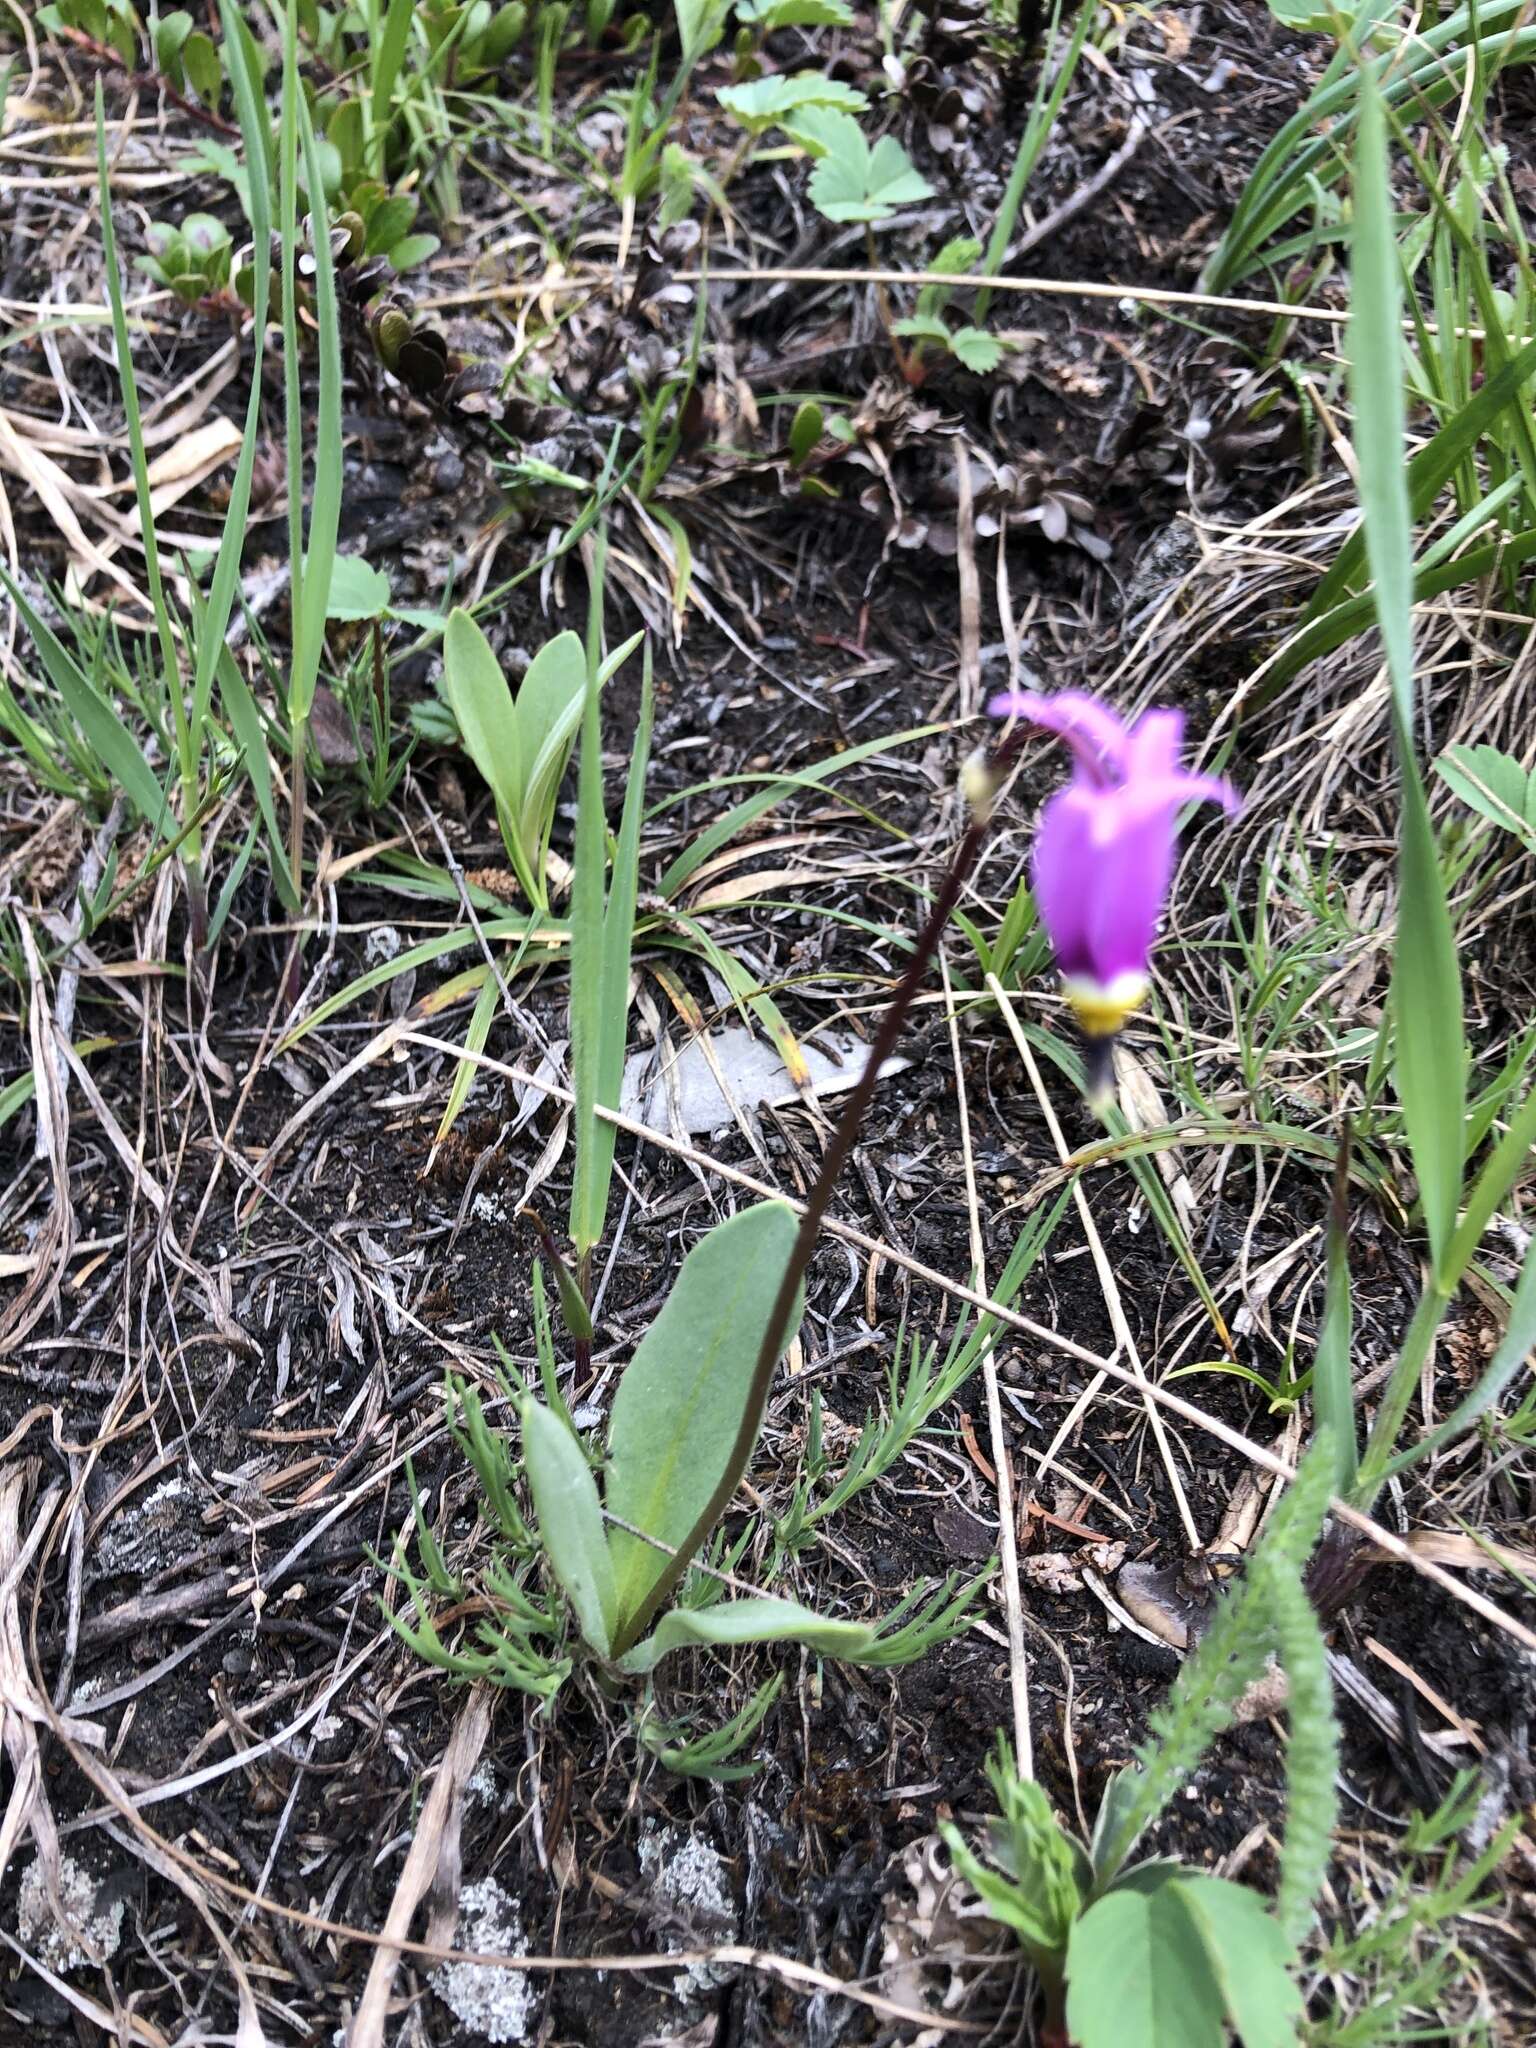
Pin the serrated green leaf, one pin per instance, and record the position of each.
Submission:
(978, 350)
(358, 590)
(570, 1521)
(762, 102)
(1178, 1959)
(679, 1408)
(853, 182)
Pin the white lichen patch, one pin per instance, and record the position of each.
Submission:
(496, 2004)
(688, 1882)
(78, 1936)
(139, 1536)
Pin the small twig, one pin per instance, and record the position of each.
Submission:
(1007, 1526)
(1084, 196)
(1109, 1286)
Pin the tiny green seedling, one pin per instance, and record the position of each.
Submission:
(521, 744)
(192, 260)
(929, 327)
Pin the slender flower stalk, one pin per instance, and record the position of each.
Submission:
(983, 776)
(1104, 850)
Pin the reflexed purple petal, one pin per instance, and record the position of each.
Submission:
(1063, 854)
(1095, 734)
(1156, 741)
(1125, 809)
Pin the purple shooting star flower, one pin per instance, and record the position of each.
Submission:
(1104, 851)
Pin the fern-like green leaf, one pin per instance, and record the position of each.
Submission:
(1232, 1654)
(1312, 1754)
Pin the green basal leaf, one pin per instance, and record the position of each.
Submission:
(679, 1408)
(1494, 784)
(1179, 1959)
(478, 696)
(358, 590)
(978, 350)
(570, 1521)
(730, 1622)
(549, 701)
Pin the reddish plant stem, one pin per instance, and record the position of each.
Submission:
(777, 1332)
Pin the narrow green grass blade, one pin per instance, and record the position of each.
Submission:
(186, 741)
(1508, 1160)
(288, 226)
(325, 498)
(105, 733)
(619, 931)
(1512, 1355)
(1433, 466)
(481, 1019)
(251, 109)
(386, 71)
(1429, 1045)
(589, 1184)
(778, 788)
(1376, 389)
(1332, 1381)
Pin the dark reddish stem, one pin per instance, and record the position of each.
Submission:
(777, 1332)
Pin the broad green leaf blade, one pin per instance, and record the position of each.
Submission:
(1426, 981)
(98, 721)
(1249, 1956)
(482, 704)
(358, 590)
(1511, 1356)
(730, 1622)
(549, 701)
(680, 1403)
(570, 1521)
(1494, 784)
(1137, 1975)
(1177, 1958)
